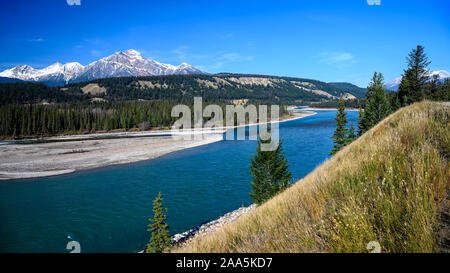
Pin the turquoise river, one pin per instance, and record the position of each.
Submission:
(107, 209)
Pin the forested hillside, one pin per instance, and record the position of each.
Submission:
(221, 87)
(35, 109)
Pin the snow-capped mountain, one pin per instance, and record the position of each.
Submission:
(127, 63)
(394, 84)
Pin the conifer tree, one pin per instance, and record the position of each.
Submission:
(433, 87)
(340, 134)
(379, 106)
(361, 127)
(415, 78)
(270, 173)
(365, 122)
(160, 239)
(351, 135)
(394, 101)
(444, 90)
(377, 81)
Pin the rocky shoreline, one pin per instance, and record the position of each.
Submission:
(187, 236)
(184, 238)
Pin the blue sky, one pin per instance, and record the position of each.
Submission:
(344, 40)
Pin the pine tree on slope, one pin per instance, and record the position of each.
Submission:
(414, 80)
(340, 134)
(160, 239)
(270, 173)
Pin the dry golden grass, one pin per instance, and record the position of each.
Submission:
(387, 186)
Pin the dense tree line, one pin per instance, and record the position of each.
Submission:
(185, 87)
(352, 103)
(27, 92)
(38, 119)
(177, 87)
(18, 120)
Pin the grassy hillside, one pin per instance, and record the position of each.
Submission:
(387, 186)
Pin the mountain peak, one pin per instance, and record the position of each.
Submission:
(185, 65)
(23, 67)
(120, 64)
(132, 52)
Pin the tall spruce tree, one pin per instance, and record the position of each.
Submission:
(394, 101)
(160, 239)
(444, 90)
(270, 173)
(414, 80)
(341, 133)
(351, 135)
(365, 117)
(361, 124)
(433, 87)
(377, 81)
(379, 106)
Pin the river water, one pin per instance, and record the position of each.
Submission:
(107, 209)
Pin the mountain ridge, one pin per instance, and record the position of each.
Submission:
(218, 87)
(118, 64)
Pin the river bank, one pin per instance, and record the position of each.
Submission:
(295, 114)
(187, 236)
(181, 239)
(47, 159)
(66, 154)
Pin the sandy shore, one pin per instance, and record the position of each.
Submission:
(46, 159)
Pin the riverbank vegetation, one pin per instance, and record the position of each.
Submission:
(330, 104)
(32, 120)
(387, 186)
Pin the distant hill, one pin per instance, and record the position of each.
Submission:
(220, 87)
(350, 88)
(387, 187)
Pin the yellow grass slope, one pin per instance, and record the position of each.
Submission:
(387, 187)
